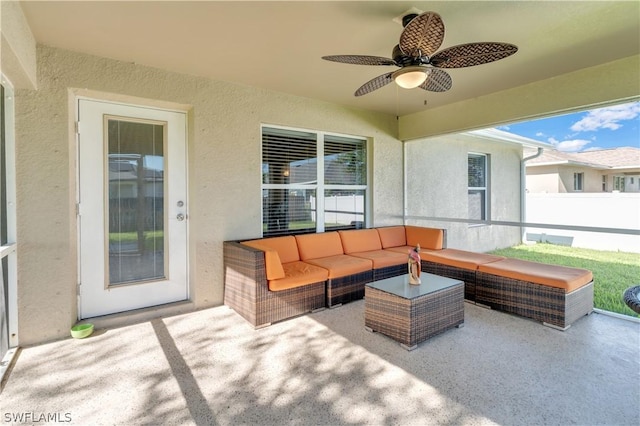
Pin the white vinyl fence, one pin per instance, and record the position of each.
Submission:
(342, 209)
(601, 210)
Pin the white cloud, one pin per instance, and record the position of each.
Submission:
(574, 145)
(540, 134)
(607, 118)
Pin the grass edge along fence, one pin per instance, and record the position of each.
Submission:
(613, 272)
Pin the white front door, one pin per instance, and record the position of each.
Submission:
(132, 207)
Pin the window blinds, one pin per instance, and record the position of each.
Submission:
(289, 157)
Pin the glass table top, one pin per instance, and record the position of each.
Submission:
(400, 286)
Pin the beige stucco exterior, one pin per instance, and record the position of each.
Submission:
(556, 178)
(437, 188)
(559, 179)
(224, 171)
(543, 179)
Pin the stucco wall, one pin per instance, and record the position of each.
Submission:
(556, 179)
(592, 179)
(542, 179)
(437, 187)
(224, 171)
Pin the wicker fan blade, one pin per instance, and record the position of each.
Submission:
(423, 35)
(360, 60)
(472, 54)
(374, 84)
(437, 81)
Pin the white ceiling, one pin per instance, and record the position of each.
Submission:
(278, 45)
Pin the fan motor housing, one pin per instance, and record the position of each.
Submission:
(407, 18)
(406, 60)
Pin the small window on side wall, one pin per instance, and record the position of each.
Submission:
(478, 184)
(578, 181)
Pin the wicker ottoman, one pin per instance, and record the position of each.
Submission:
(411, 314)
(555, 295)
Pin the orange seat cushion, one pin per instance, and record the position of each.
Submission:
(313, 246)
(460, 258)
(383, 258)
(392, 236)
(298, 274)
(428, 238)
(359, 240)
(564, 277)
(342, 265)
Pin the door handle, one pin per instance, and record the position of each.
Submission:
(180, 217)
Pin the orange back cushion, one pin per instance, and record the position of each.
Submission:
(392, 236)
(273, 265)
(285, 246)
(357, 241)
(314, 246)
(428, 238)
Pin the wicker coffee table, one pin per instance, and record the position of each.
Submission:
(411, 314)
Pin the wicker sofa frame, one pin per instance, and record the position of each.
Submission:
(347, 289)
(247, 291)
(550, 305)
(466, 275)
(388, 272)
(247, 288)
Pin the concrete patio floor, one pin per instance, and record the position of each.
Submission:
(211, 367)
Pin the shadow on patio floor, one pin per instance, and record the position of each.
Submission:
(211, 367)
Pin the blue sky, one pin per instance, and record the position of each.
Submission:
(609, 127)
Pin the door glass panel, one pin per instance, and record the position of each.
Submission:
(136, 220)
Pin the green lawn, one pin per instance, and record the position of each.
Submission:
(613, 272)
(153, 240)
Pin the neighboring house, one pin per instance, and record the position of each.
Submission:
(605, 170)
(214, 188)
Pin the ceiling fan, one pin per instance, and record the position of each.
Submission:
(419, 64)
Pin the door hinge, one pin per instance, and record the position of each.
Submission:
(77, 124)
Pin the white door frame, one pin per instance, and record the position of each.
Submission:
(152, 290)
(11, 249)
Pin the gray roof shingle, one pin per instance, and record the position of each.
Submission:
(622, 157)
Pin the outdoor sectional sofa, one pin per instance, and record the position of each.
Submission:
(275, 278)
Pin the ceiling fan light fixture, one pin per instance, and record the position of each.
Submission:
(410, 77)
(421, 63)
